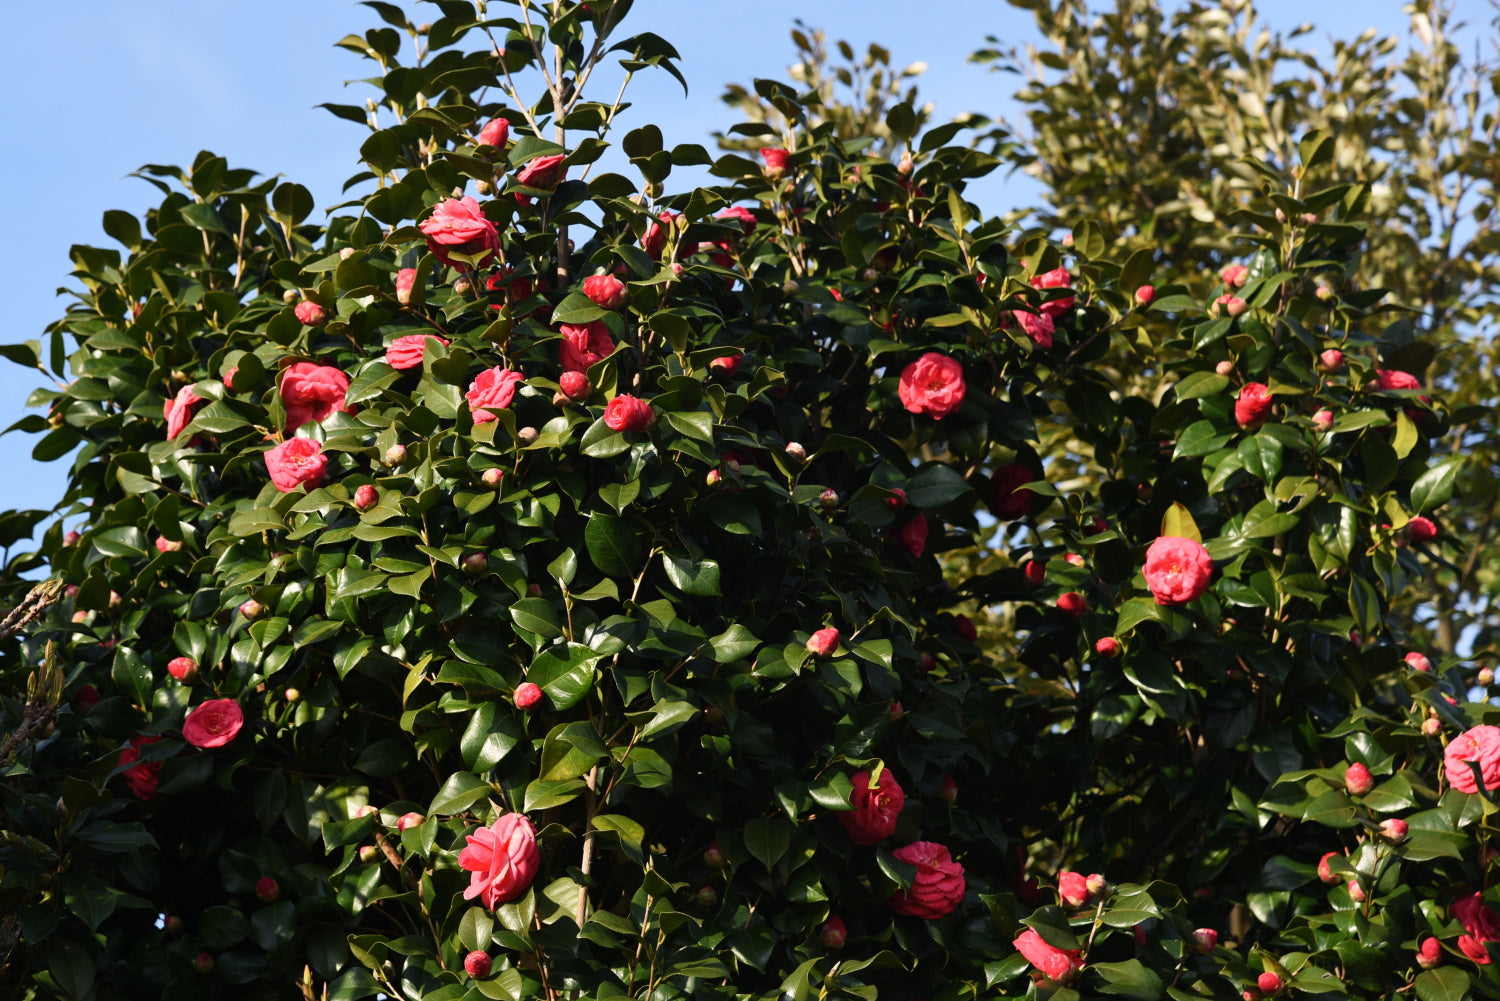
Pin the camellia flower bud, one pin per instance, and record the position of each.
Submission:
(365, 497)
(1035, 572)
(184, 669)
(775, 162)
(166, 545)
(252, 609)
(527, 695)
(796, 451)
(1432, 726)
(291, 695)
(1144, 295)
(1421, 529)
(1418, 662)
(1224, 367)
(1204, 940)
(291, 297)
(71, 538)
(311, 313)
(395, 455)
(478, 964)
(575, 385)
(493, 476)
(706, 896)
(267, 890)
(1485, 676)
(1357, 779)
(1429, 953)
(1325, 872)
(949, 790)
(896, 711)
(897, 500)
(1331, 361)
(366, 811)
(527, 435)
(1324, 292)
(1393, 829)
(1072, 604)
(823, 642)
(1268, 982)
(406, 280)
(1235, 275)
(203, 963)
(85, 699)
(832, 933)
(407, 820)
(1356, 892)
(1323, 420)
(713, 477)
(1232, 305)
(1108, 647)
(713, 857)
(1097, 885)
(462, 286)
(606, 291)
(367, 853)
(474, 564)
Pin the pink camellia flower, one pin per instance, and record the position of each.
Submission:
(493, 388)
(184, 669)
(832, 934)
(911, 535)
(1056, 278)
(1011, 498)
(1358, 780)
(606, 291)
(406, 352)
(1393, 379)
(1057, 965)
(741, 215)
(775, 162)
(179, 410)
(166, 545)
(478, 964)
(1254, 405)
(1480, 745)
(1177, 570)
(365, 497)
(1481, 923)
(140, 776)
(1421, 529)
(1072, 888)
(585, 346)
(310, 392)
(823, 642)
(311, 313)
(297, 462)
(876, 810)
(932, 385)
(1144, 295)
(503, 859)
(213, 723)
(1429, 953)
(406, 280)
(1474, 949)
(1235, 275)
(527, 695)
(1072, 604)
(938, 886)
(574, 385)
(459, 226)
(496, 133)
(1268, 982)
(1232, 305)
(1418, 662)
(1331, 361)
(1108, 647)
(628, 413)
(1038, 326)
(543, 172)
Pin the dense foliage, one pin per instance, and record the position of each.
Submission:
(526, 583)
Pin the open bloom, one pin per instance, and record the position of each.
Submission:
(933, 385)
(140, 776)
(214, 723)
(1253, 405)
(297, 462)
(502, 859)
(1055, 964)
(310, 392)
(584, 346)
(1480, 745)
(492, 388)
(1481, 923)
(406, 352)
(875, 809)
(459, 226)
(1056, 278)
(628, 413)
(1038, 326)
(938, 886)
(1177, 570)
(179, 410)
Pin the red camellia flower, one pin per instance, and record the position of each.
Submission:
(628, 413)
(1056, 278)
(823, 642)
(1481, 923)
(311, 313)
(213, 723)
(527, 695)
(478, 964)
(584, 346)
(492, 388)
(179, 411)
(496, 133)
(912, 535)
(727, 364)
(1421, 529)
(938, 886)
(1253, 406)
(875, 810)
(775, 161)
(543, 172)
(1012, 499)
(1358, 780)
(310, 392)
(459, 226)
(605, 291)
(1474, 950)
(1481, 745)
(406, 352)
(1177, 569)
(1059, 965)
(1235, 275)
(1038, 326)
(933, 385)
(297, 462)
(503, 859)
(1392, 379)
(184, 669)
(1204, 940)
(140, 776)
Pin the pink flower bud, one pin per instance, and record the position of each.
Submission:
(1323, 420)
(775, 162)
(1393, 829)
(1072, 604)
(1485, 676)
(474, 564)
(1432, 726)
(1204, 940)
(949, 790)
(1268, 982)
(1325, 872)
(1224, 367)
(184, 669)
(606, 291)
(166, 545)
(478, 964)
(897, 500)
(832, 934)
(367, 853)
(823, 642)
(311, 313)
(1324, 292)
(1233, 305)
(1035, 572)
(1357, 779)
(1356, 892)
(1429, 953)
(1108, 647)
(1331, 361)
(252, 609)
(896, 711)
(496, 133)
(1235, 275)
(395, 455)
(713, 477)
(829, 498)
(203, 963)
(408, 820)
(1418, 662)
(1097, 885)
(1144, 295)
(796, 450)
(527, 695)
(493, 477)
(267, 890)
(1076, 559)
(575, 385)
(365, 497)
(713, 857)
(1421, 529)
(71, 538)
(406, 280)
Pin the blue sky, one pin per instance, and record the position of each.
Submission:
(155, 81)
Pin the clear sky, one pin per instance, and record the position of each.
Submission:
(100, 88)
